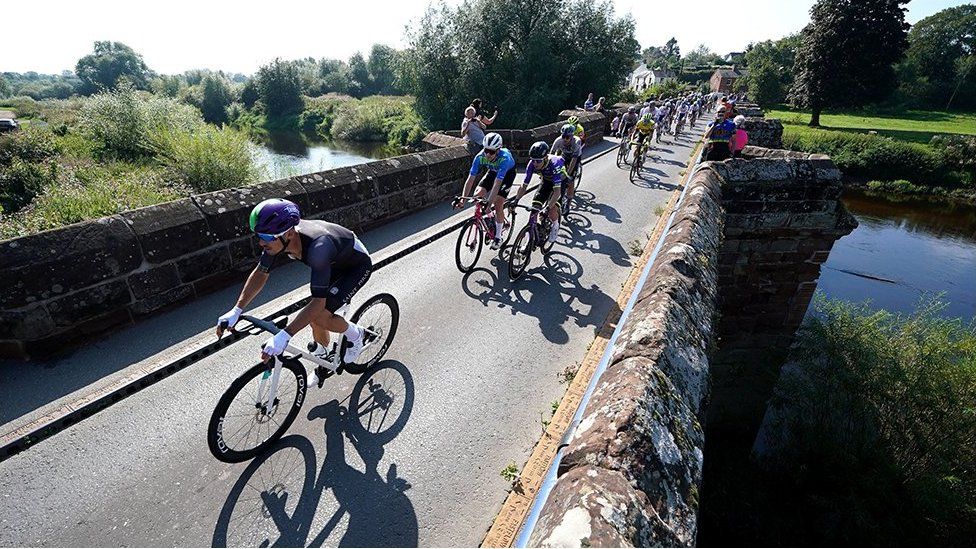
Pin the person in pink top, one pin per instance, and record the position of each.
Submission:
(741, 137)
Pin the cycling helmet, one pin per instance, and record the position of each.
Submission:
(539, 150)
(274, 216)
(646, 119)
(492, 141)
(739, 120)
(567, 130)
(573, 120)
(631, 109)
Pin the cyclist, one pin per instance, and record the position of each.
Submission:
(720, 137)
(496, 183)
(660, 121)
(552, 170)
(627, 122)
(570, 148)
(579, 131)
(642, 133)
(340, 266)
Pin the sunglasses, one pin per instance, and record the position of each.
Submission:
(267, 237)
(492, 152)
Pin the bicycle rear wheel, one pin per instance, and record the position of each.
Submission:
(379, 316)
(469, 244)
(245, 421)
(578, 176)
(521, 253)
(621, 155)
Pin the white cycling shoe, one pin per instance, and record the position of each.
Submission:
(355, 348)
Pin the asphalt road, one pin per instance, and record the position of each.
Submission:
(407, 454)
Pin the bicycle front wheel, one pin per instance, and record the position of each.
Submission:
(469, 244)
(578, 176)
(255, 411)
(379, 317)
(635, 168)
(621, 156)
(521, 252)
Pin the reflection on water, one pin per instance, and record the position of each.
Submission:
(902, 250)
(284, 154)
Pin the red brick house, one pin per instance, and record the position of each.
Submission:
(723, 80)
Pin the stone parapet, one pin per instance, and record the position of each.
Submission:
(631, 473)
(64, 285)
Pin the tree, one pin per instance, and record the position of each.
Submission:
(4, 87)
(280, 88)
(939, 58)
(544, 57)
(665, 57)
(109, 63)
(215, 96)
(359, 72)
(702, 55)
(382, 69)
(847, 52)
(770, 69)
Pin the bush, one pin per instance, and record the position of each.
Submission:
(876, 426)
(23, 107)
(870, 156)
(20, 182)
(959, 151)
(207, 159)
(391, 119)
(124, 122)
(31, 144)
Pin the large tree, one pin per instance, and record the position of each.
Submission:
(382, 66)
(847, 52)
(280, 88)
(771, 69)
(937, 70)
(530, 57)
(109, 63)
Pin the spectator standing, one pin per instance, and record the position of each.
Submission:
(615, 125)
(720, 138)
(600, 108)
(741, 137)
(472, 130)
(480, 114)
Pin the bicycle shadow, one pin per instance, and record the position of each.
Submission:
(276, 498)
(585, 203)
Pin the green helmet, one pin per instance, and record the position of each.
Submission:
(573, 120)
(647, 118)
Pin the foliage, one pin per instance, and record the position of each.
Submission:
(668, 88)
(846, 54)
(39, 86)
(875, 427)
(24, 171)
(5, 89)
(869, 156)
(937, 69)
(392, 119)
(770, 69)
(665, 57)
(206, 159)
(382, 65)
(702, 55)
(544, 57)
(957, 150)
(280, 88)
(108, 64)
(124, 122)
(215, 97)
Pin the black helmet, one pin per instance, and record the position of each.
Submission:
(538, 150)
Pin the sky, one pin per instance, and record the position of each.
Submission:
(49, 36)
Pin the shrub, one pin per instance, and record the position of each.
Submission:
(24, 107)
(869, 156)
(876, 425)
(123, 122)
(207, 159)
(31, 144)
(391, 119)
(20, 182)
(958, 151)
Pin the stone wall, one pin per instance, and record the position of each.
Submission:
(631, 473)
(766, 133)
(67, 284)
(731, 284)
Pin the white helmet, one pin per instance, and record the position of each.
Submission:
(492, 141)
(739, 120)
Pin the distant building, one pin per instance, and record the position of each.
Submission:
(735, 57)
(643, 78)
(723, 80)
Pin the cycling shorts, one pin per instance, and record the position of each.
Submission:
(345, 282)
(488, 181)
(543, 193)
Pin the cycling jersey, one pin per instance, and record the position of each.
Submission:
(573, 149)
(554, 170)
(645, 128)
(340, 263)
(580, 132)
(503, 162)
(722, 132)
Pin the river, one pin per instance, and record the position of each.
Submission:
(285, 154)
(902, 250)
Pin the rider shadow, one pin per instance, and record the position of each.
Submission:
(585, 203)
(275, 501)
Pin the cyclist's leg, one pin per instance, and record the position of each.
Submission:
(506, 186)
(486, 183)
(342, 287)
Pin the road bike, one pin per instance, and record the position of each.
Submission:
(260, 405)
(679, 125)
(638, 163)
(534, 235)
(476, 232)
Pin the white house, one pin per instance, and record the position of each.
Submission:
(643, 77)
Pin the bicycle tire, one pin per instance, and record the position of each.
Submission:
(621, 156)
(635, 169)
(545, 227)
(215, 430)
(578, 176)
(387, 336)
(508, 234)
(469, 238)
(523, 248)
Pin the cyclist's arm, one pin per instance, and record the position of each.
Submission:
(255, 282)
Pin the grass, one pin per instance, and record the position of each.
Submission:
(906, 125)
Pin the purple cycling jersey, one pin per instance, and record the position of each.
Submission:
(554, 170)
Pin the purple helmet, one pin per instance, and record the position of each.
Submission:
(274, 216)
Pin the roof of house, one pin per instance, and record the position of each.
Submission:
(640, 71)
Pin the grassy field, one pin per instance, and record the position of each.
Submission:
(906, 125)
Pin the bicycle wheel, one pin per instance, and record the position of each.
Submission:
(244, 422)
(544, 227)
(521, 253)
(621, 155)
(508, 234)
(635, 168)
(578, 176)
(469, 244)
(379, 316)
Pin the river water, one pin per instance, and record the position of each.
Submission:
(902, 250)
(286, 154)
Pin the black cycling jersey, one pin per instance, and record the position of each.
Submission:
(331, 251)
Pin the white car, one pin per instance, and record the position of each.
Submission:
(7, 124)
